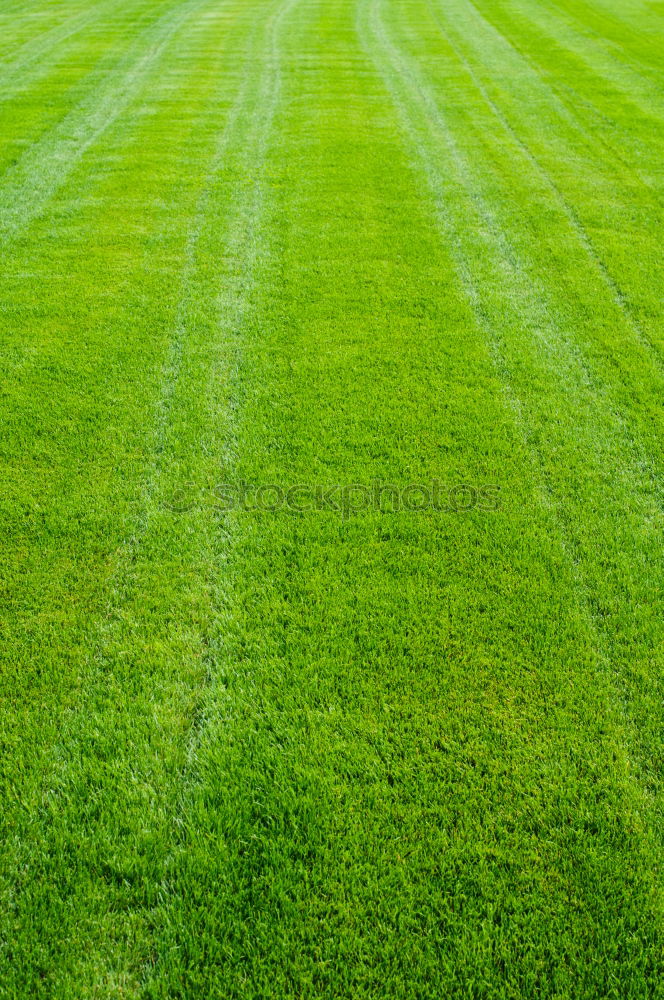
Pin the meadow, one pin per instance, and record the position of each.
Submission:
(331, 516)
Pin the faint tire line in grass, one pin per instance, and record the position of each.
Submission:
(244, 246)
(650, 63)
(537, 69)
(618, 295)
(72, 727)
(393, 56)
(91, 68)
(637, 86)
(434, 119)
(62, 176)
(569, 109)
(15, 69)
(26, 188)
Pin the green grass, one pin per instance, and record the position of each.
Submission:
(347, 754)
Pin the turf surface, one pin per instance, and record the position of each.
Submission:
(354, 749)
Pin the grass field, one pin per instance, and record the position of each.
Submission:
(396, 733)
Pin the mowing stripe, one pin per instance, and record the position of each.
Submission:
(587, 446)
(351, 751)
(590, 123)
(591, 51)
(68, 74)
(618, 195)
(312, 859)
(626, 44)
(28, 64)
(617, 109)
(101, 716)
(21, 29)
(27, 187)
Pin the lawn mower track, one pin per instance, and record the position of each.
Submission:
(276, 754)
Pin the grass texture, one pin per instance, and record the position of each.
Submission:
(331, 754)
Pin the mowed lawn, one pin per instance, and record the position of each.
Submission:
(327, 747)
